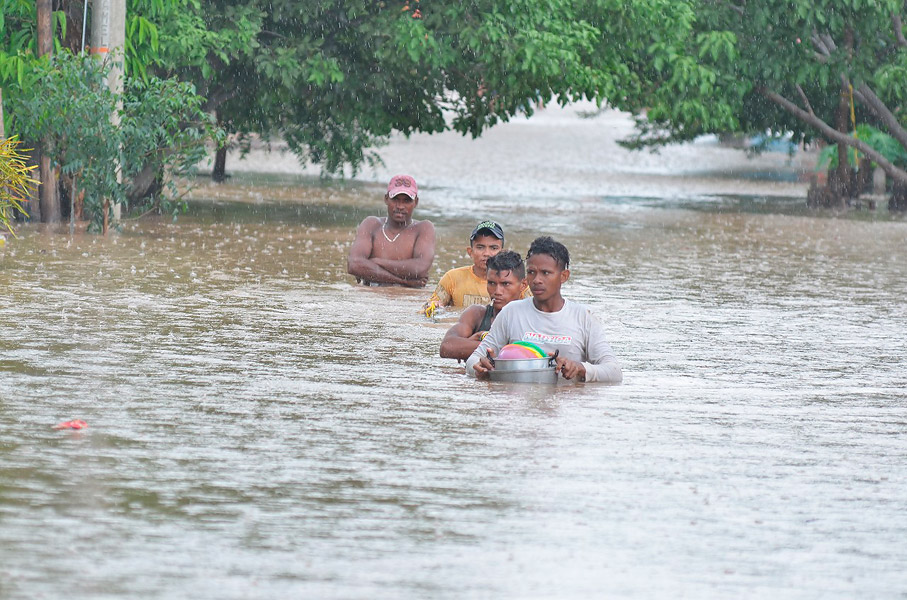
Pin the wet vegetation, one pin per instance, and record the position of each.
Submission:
(831, 71)
(16, 182)
(333, 80)
(160, 134)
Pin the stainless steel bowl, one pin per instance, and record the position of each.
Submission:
(524, 370)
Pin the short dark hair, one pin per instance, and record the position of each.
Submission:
(507, 260)
(554, 249)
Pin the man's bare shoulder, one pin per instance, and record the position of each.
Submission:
(370, 223)
(473, 314)
(423, 226)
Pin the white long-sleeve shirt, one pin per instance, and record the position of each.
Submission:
(573, 331)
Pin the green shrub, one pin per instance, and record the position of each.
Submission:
(16, 183)
(162, 130)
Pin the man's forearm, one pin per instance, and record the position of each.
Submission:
(474, 359)
(441, 297)
(410, 268)
(369, 270)
(457, 347)
(607, 372)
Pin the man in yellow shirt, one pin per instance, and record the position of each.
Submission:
(465, 286)
(506, 283)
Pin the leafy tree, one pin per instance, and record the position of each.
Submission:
(814, 68)
(65, 101)
(333, 78)
(161, 130)
(18, 38)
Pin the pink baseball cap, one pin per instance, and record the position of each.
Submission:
(402, 184)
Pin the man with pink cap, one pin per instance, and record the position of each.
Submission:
(394, 250)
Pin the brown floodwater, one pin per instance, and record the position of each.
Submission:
(261, 427)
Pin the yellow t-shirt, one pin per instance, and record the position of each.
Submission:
(461, 287)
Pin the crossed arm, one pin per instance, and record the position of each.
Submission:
(411, 272)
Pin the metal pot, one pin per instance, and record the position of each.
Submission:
(524, 370)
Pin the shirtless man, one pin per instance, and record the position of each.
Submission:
(394, 250)
(506, 276)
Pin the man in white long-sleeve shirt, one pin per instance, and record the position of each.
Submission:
(549, 320)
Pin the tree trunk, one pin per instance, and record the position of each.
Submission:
(898, 199)
(106, 225)
(219, 173)
(863, 176)
(44, 10)
(147, 182)
(78, 206)
(74, 12)
(49, 199)
(841, 180)
(32, 205)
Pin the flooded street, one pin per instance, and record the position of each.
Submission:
(261, 427)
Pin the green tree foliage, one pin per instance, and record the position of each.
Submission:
(781, 66)
(334, 77)
(666, 69)
(18, 40)
(64, 104)
(161, 130)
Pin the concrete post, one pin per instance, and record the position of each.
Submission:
(108, 41)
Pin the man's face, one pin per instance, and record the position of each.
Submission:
(400, 208)
(545, 276)
(482, 248)
(504, 287)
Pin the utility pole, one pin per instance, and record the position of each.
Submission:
(49, 201)
(108, 37)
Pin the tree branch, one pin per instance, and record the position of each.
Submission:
(824, 42)
(845, 84)
(805, 100)
(219, 97)
(833, 134)
(819, 43)
(898, 29)
(881, 111)
(273, 34)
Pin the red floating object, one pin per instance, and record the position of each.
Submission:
(74, 424)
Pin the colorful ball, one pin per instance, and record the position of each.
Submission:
(537, 349)
(520, 350)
